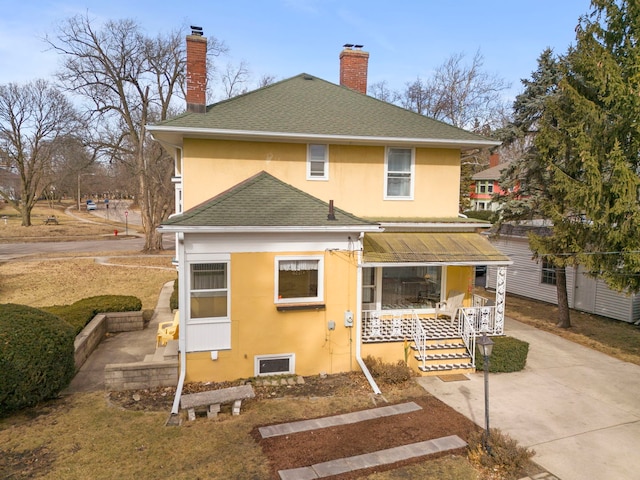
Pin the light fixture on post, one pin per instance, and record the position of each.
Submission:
(486, 348)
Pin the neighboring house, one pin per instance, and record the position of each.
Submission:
(9, 183)
(486, 184)
(536, 279)
(317, 225)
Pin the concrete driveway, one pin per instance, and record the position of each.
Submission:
(577, 408)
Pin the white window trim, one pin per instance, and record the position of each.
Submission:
(276, 270)
(258, 358)
(227, 318)
(326, 163)
(412, 174)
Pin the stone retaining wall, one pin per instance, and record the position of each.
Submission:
(93, 333)
(139, 375)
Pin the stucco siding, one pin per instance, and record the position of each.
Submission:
(258, 327)
(356, 181)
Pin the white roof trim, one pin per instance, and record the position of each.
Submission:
(249, 229)
(176, 134)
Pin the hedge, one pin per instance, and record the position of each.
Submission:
(36, 356)
(80, 313)
(509, 355)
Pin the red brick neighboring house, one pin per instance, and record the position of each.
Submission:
(486, 184)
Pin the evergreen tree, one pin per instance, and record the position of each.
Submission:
(581, 169)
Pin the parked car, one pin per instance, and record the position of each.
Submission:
(91, 205)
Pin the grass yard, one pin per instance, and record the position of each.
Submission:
(78, 226)
(64, 280)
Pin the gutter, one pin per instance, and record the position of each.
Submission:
(364, 368)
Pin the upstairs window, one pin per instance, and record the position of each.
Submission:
(484, 186)
(399, 174)
(299, 280)
(317, 162)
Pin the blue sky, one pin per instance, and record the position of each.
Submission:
(405, 38)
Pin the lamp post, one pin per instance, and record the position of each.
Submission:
(486, 347)
(80, 175)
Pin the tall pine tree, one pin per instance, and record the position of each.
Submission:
(581, 169)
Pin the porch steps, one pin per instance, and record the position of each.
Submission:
(446, 356)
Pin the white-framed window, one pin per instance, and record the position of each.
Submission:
(399, 173)
(209, 290)
(274, 364)
(299, 279)
(548, 274)
(484, 186)
(317, 162)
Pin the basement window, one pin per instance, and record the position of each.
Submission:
(274, 364)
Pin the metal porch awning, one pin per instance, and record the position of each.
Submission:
(433, 248)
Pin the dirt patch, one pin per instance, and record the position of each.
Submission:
(434, 420)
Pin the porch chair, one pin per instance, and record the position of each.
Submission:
(168, 330)
(451, 306)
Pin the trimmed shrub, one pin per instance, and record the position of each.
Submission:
(509, 355)
(80, 313)
(486, 215)
(173, 300)
(389, 373)
(36, 356)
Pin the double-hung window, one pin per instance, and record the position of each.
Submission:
(299, 279)
(399, 172)
(209, 323)
(209, 291)
(317, 162)
(548, 273)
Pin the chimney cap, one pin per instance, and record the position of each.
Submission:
(196, 30)
(348, 45)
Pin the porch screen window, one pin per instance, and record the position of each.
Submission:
(411, 287)
(548, 273)
(209, 291)
(399, 167)
(299, 279)
(317, 164)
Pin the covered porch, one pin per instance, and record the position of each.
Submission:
(418, 288)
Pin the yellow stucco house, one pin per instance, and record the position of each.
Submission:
(317, 225)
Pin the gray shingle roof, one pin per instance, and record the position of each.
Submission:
(493, 173)
(264, 201)
(307, 105)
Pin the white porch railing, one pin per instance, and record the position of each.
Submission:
(484, 319)
(468, 332)
(420, 339)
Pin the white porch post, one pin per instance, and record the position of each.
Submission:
(501, 292)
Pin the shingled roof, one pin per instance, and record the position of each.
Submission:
(305, 107)
(265, 201)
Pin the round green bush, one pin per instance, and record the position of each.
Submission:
(509, 355)
(36, 356)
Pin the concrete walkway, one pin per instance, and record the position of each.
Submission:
(577, 408)
(124, 347)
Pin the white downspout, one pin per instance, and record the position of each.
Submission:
(182, 337)
(364, 368)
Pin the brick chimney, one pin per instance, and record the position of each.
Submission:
(196, 71)
(494, 160)
(354, 64)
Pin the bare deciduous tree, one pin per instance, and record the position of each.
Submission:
(234, 79)
(128, 81)
(33, 118)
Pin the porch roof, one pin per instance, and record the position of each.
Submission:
(436, 248)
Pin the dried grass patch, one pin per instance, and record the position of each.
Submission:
(41, 283)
